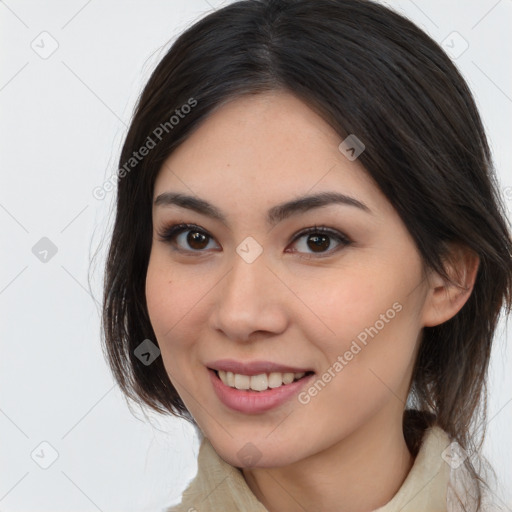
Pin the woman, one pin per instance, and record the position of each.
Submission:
(309, 260)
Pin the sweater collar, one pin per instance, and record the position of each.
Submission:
(220, 486)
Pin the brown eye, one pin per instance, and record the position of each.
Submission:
(318, 243)
(187, 238)
(197, 240)
(319, 240)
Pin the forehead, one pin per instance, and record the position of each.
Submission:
(261, 150)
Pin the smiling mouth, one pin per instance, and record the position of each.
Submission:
(261, 382)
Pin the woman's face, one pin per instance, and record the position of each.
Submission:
(247, 291)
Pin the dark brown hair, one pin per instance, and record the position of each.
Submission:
(367, 71)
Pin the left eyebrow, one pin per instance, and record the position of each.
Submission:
(275, 215)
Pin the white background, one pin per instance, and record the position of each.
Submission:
(62, 124)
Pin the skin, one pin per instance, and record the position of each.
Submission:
(206, 304)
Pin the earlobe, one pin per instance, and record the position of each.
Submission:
(445, 299)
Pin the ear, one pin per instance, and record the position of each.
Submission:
(444, 299)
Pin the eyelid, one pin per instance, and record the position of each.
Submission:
(168, 233)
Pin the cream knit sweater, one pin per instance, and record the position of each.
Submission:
(429, 486)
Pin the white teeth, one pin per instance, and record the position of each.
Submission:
(275, 380)
(259, 382)
(242, 381)
(288, 378)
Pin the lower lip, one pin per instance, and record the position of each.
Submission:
(254, 402)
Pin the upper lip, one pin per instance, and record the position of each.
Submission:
(253, 367)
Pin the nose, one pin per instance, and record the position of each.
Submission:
(250, 299)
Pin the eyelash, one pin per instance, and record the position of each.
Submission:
(169, 233)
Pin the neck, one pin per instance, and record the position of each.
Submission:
(360, 473)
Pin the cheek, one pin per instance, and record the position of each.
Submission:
(352, 300)
(378, 359)
(365, 373)
(176, 302)
(371, 320)
(168, 301)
